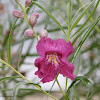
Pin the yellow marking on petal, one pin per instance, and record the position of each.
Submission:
(50, 58)
(55, 61)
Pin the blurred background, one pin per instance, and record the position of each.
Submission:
(88, 58)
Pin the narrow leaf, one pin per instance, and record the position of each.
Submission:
(79, 18)
(84, 38)
(16, 88)
(88, 18)
(8, 78)
(9, 41)
(85, 81)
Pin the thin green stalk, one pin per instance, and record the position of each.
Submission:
(61, 89)
(24, 11)
(89, 18)
(9, 41)
(72, 7)
(20, 54)
(53, 84)
(68, 14)
(4, 84)
(84, 38)
(27, 20)
(66, 85)
(35, 34)
(81, 32)
(51, 16)
(26, 79)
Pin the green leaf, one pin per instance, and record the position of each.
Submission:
(79, 34)
(84, 38)
(17, 87)
(87, 18)
(51, 16)
(9, 41)
(57, 11)
(2, 66)
(85, 81)
(8, 78)
(79, 18)
(20, 53)
(76, 94)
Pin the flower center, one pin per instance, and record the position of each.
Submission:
(52, 58)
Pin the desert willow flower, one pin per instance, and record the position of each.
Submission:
(53, 59)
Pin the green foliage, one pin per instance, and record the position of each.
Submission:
(9, 41)
(51, 16)
(8, 78)
(85, 81)
(85, 38)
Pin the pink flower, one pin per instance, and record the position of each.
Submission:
(53, 59)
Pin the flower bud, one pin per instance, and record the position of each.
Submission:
(32, 20)
(29, 33)
(28, 2)
(17, 14)
(43, 33)
(36, 15)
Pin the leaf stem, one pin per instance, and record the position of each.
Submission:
(27, 20)
(90, 15)
(27, 79)
(20, 54)
(60, 88)
(66, 85)
(9, 41)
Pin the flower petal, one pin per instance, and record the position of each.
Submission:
(43, 45)
(46, 70)
(64, 48)
(60, 46)
(66, 69)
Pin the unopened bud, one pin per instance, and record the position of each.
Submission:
(36, 15)
(43, 33)
(17, 14)
(28, 2)
(32, 20)
(29, 33)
